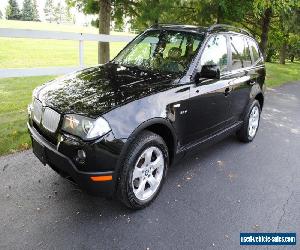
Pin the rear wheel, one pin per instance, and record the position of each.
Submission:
(144, 170)
(251, 123)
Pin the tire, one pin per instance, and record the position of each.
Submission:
(245, 134)
(137, 171)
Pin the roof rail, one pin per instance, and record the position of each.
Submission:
(227, 27)
(158, 25)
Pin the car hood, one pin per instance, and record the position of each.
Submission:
(97, 90)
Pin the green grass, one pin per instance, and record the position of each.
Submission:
(277, 74)
(29, 53)
(15, 95)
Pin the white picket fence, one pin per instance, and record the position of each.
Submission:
(54, 35)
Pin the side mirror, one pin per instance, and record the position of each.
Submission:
(209, 72)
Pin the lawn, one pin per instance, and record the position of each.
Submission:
(29, 53)
(278, 74)
(15, 94)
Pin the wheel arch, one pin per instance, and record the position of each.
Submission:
(163, 128)
(260, 98)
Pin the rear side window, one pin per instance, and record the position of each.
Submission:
(246, 55)
(215, 52)
(241, 56)
(254, 48)
(237, 48)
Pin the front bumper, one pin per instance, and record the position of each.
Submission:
(48, 154)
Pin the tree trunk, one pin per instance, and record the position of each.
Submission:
(104, 28)
(156, 5)
(292, 58)
(219, 14)
(265, 27)
(283, 52)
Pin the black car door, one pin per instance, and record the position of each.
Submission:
(242, 73)
(209, 103)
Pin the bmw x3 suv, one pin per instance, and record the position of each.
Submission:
(114, 129)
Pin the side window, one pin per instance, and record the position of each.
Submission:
(215, 53)
(254, 48)
(237, 49)
(241, 56)
(246, 54)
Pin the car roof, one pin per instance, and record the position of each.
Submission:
(216, 28)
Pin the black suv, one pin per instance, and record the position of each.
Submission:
(115, 129)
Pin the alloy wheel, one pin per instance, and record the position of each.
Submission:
(148, 173)
(253, 121)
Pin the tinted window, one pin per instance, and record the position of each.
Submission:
(246, 54)
(215, 53)
(237, 49)
(241, 56)
(254, 48)
(167, 51)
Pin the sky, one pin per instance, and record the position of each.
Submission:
(80, 18)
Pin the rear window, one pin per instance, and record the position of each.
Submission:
(241, 54)
(255, 50)
(246, 55)
(237, 48)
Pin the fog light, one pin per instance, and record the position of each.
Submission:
(81, 155)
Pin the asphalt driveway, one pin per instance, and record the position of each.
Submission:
(207, 200)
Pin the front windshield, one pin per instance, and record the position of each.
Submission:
(161, 50)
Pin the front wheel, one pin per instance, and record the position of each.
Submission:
(144, 170)
(251, 123)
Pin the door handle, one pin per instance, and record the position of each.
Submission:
(227, 91)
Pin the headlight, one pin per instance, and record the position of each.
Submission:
(85, 128)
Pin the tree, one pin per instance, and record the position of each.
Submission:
(59, 13)
(1, 15)
(49, 11)
(13, 11)
(104, 10)
(260, 20)
(289, 20)
(293, 49)
(35, 11)
(68, 16)
(27, 11)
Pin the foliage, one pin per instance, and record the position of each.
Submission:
(59, 13)
(35, 11)
(12, 10)
(1, 15)
(29, 11)
(49, 11)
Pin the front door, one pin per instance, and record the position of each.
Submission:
(209, 99)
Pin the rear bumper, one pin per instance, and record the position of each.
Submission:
(48, 154)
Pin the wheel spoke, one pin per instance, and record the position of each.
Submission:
(148, 155)
(141, 189)
(152, 182)
(159, 161)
